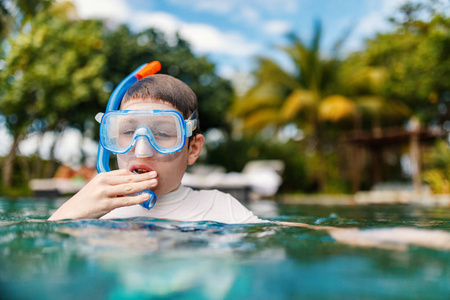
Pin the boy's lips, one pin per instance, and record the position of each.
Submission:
(140, 168)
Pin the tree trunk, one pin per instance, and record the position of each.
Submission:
(8, 164)
(356, 155)
(24, 166)
(377, 160)
(415, 161)
(355, 167)
(321, 168)
(36, 168)
(50, 166)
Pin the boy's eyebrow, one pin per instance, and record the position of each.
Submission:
(154, 119)
(127, 120)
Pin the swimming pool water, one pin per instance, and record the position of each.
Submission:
(158, 259)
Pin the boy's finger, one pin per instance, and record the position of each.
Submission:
(117, 172)
(130, 200)
(130, 177)
(130, 187)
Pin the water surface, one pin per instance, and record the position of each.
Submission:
(146, 258)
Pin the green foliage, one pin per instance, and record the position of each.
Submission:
(438, 181)
(20, 177)
(234, 154)
(300, 173)
(52, 76)
(437, 164)
(52, 73)
(15, 13)
(414, 59)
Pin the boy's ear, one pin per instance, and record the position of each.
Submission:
(195, 147)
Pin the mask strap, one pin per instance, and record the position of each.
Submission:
(98, 117)
(191, 123)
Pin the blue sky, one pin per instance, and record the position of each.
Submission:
(232, 32)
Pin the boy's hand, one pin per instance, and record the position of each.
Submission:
(104, 193)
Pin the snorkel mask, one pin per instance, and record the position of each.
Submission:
(113, 105)
(153, 133)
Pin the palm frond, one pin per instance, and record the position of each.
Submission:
(388, 108)
(260, 119)
(294, 103)
(270, 71)
(260, 96)
(336, 107)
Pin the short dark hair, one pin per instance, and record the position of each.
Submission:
(168, 89)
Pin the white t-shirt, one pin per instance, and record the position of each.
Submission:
(186, 204)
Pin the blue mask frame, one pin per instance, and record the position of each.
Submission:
(113, 104)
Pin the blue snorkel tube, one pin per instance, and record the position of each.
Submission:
(114, 104)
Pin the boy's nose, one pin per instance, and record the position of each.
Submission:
(143, 148)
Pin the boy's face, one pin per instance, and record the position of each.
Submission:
(171, 168)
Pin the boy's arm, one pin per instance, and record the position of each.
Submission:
(395, 238)
(104, 193)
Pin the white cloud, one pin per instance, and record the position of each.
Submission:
(371, 23)
(115, 10)
(208, 39)
(203, 38)
(276, 27)
(165, 22)
(249, 14)
(390, 6)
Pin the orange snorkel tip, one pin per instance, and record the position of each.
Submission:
(149, 69)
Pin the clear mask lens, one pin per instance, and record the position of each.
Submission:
(165, 131)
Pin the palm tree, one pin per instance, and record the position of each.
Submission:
(303, 97)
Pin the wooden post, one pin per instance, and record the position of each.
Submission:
(356, 153)
(377, 161)
(355, 169)
(414, 152)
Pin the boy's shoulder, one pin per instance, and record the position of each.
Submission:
(211, 196)
(223, 207)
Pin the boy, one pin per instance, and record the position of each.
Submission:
(156, 160)
(103, 196)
